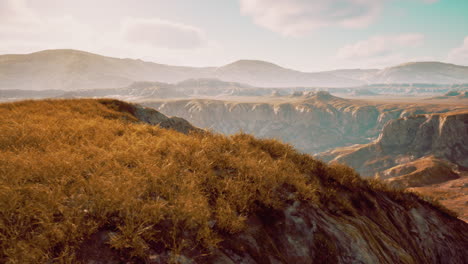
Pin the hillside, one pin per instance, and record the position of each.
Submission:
(88, 181)
(451, 193)
(73, 69)
(421, 172)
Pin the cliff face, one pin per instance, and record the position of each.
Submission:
(406, 139)
(443, 135)
(313, 122)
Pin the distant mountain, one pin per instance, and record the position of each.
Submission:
(73, 70)
(422, 72)
(265, 74)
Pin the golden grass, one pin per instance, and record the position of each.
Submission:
(69, 168)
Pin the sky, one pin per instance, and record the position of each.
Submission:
(306, 35)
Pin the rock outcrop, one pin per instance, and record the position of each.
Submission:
(151, 116)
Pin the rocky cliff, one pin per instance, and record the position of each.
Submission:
(313, 122)
(406, 139)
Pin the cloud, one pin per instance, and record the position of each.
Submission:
(162, 34)
(24, 29)
(300, 17)
(15, 11)
(22, 26)
(380, 46)
(460, 54)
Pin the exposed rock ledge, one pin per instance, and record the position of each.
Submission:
(151, 116)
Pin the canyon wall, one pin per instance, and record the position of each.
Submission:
(313, 123)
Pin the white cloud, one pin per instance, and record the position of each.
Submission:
(162, 34)
(15, 11)
(460, 54)
(380, 46)
(24, 29)
(299, 17)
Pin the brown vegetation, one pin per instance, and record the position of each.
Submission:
(72, 168)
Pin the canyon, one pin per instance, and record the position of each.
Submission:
(313, 122)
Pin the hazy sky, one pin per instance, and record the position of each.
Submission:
(307, 35)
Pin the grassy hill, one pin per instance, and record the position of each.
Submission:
(74, 172)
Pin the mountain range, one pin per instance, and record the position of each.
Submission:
(74, 69)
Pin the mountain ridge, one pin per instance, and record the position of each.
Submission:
(73, 69)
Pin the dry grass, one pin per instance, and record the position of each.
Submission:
(69, 168)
